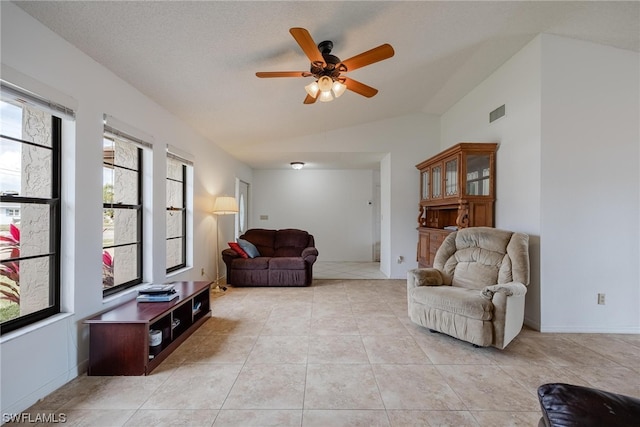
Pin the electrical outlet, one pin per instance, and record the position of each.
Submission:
(601, 299)
(202, 271)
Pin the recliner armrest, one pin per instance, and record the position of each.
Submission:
(509, 289)
(425, 277)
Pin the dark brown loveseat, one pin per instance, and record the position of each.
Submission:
(286, 259)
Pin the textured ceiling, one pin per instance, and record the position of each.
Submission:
(198, 59)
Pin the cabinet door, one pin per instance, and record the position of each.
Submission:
(436, 181)
(424, 184)
(451, 184)
(478, 174)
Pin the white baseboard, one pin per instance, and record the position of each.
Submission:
(590, 330)
(559, 329)
(28, 401)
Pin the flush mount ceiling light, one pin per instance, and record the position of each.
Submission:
(297, 165)
(328, 70)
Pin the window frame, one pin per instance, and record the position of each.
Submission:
(55, 224)
(108, 133)
(183, 210)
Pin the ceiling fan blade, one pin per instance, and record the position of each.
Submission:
(267, 74)
(310, 99)
(307, 44)
(360, 88)
(376, 54)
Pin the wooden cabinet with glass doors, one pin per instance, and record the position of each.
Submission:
(457, 190)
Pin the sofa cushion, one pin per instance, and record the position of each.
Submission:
(464, 302)
(290, 242)
(258, 263)
(286, 263)
(262, 239)
(249, 248)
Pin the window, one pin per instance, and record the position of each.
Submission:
(122, 212)
(30, 165)
(176, 213)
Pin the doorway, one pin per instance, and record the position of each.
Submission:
(242, 221)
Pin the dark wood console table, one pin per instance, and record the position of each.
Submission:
(119, 338)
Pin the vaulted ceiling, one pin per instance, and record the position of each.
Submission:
(199, 59)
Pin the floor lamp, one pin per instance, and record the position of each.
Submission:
(224, 205)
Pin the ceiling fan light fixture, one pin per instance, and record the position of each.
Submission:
(338, 88)
(327, 69)
(325, 96)
(325, 83)
(312, 89)
(297, 165)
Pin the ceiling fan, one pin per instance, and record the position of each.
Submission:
(328, 70)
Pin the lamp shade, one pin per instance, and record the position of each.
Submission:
(225, 205)
(325, 96)
(312, 89)
(325, 83)
(338, 88)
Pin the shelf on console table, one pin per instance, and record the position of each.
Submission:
(119, 337)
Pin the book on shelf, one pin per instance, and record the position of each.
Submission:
(166, 297)
(196, 308)
(157, 289)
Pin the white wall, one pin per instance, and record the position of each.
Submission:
(333, 205)
(37, 360)
(567, 174)
(385, 215)
(590, 185)
(407, 140)
(516, 85)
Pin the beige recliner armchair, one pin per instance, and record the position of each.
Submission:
(476, 288)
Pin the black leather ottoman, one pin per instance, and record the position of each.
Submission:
(566, 405)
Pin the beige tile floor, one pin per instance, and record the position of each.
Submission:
(343, 353)
(347, 270)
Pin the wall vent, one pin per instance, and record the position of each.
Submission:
(496, 114)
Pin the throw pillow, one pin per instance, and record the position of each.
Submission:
(249, 248)
(237, 249)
